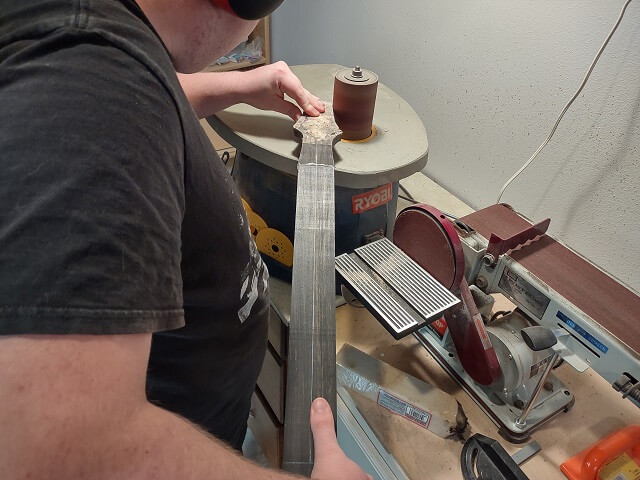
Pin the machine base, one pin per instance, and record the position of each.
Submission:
(551, 402)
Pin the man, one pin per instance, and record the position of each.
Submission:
(117, 223)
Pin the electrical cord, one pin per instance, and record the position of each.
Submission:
(498, 314)
(408, 197)
(584, 82)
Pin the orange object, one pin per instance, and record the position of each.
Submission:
(256, 223)
(617, 456)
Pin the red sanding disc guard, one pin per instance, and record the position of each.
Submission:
(426, 235)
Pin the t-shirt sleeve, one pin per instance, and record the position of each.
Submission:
(91, 191)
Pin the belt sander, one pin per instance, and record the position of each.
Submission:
(566, 309)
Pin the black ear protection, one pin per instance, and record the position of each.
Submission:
(249, 9)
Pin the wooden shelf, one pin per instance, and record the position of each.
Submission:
(262, 30)
(227, 67)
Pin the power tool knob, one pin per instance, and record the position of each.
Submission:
(538, 338)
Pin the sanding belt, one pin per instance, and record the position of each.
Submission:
(354, 101)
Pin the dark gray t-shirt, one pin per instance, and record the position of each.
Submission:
(116, 215)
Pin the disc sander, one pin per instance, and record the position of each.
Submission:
(429, 238)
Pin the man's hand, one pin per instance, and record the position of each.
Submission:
(265, 88)
(330, 462)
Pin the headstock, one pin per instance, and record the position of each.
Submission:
(320, 130)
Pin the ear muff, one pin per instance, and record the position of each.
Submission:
(249, 9)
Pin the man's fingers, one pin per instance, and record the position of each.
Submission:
(329, 459)
(275, 81)
(288, 108)
(323, 429)
(310, 104)
(316, 102)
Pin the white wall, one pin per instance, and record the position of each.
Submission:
(488, 78)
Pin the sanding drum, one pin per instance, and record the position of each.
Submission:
(354, 100)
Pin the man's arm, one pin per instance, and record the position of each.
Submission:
(75, 407)
(263, 88)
